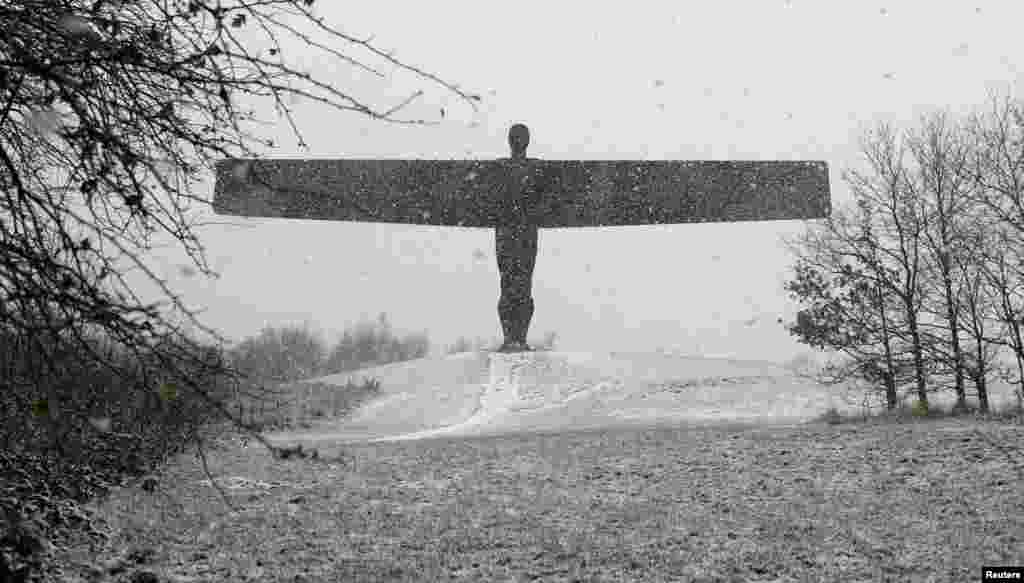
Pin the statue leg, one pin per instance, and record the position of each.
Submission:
(517, 255)
(528, 259)
(507, 308)
(507, 302)
(523, 319)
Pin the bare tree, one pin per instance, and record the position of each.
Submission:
(109, 112)
(281, 354)
(998, 161)
(848, 302)
(978, 311)
(897, 224)
(942, 183)
(1000, 269)
(997, 135)
(372, 343)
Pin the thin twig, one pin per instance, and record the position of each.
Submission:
(206, 471)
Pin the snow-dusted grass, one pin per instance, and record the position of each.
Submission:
(924, 500)
(655, 497)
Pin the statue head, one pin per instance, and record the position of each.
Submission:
(518, 140)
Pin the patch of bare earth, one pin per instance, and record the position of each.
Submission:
(914, 501)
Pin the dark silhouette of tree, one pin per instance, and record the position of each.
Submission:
(997, 135)
(895, 222)
(943, 181)
(109, 113)
(922, 274)
(847, 305)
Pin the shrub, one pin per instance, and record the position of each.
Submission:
(919, 409)
(831, 416)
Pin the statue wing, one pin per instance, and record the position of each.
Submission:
(457, 193)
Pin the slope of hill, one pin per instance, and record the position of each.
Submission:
(479, 393)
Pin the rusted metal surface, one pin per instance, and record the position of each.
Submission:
(551, 193)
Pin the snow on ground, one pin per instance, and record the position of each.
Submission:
(483, 393)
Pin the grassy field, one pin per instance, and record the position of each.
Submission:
(900, 500)
(300, 404)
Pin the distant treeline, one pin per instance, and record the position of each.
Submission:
(291, 353)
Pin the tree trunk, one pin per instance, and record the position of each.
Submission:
(1017, 344)
(1012, 318)
(1020, 381)
(982, 387)
(890, 377)
(979, 374)
(954, 340)
(891, 398)
(919, 372)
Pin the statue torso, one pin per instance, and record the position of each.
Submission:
(517, 202)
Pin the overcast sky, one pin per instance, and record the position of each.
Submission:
(732, 80)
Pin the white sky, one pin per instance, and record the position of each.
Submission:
(758, 80)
